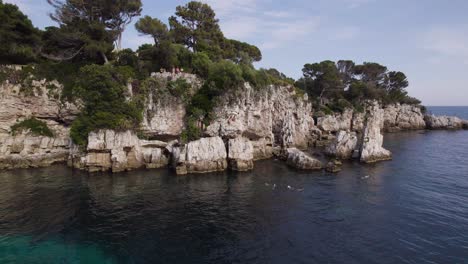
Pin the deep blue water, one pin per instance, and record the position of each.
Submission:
(413, 209)
(460, 111)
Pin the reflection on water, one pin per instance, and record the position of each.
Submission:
(413, 209)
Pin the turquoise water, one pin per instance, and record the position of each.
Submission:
(27, 249)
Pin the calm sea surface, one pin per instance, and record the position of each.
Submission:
(413, 209)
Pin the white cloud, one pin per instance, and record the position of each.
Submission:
(253, 21)
(449, 42)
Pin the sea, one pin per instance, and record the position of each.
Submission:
(412, 209)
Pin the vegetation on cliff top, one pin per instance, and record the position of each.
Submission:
(83, 53)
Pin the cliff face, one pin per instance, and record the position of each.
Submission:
(39, 99)
(108, 150)
(248, 124)
(274, 116)
(403, 117)
(164, 113)
(395, 118)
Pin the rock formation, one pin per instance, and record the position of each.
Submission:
(372, 149)
(25, 151)
(108, 150)
(248, 124)
(336, 122)
(343, 146)
(302, 161)
(164, 113)
(201, 156)
(240, 154)
(39, 99)
(399, 117)
(444, 122)
(275, 116)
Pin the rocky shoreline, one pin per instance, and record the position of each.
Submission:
(248, 125)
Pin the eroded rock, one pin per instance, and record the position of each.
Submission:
(302, 161)
(372, 149)
(343, 146)
(202, 156)
(240, 154)
(443, 122)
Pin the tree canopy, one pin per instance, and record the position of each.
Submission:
(153, 27)
(89, 27)
(20, 40)
(344, 80)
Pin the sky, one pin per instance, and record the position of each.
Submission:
(425, 39)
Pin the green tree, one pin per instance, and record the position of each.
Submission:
(20, 40)
(89, 27)
(324, 79)
(371, 73)
(235, 51)
(195, 26)
(153, 27)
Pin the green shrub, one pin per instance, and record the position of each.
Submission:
(35, 126)
(223, 76)
(179, 88)
(192, 131)
(201, 64)
(103, 92)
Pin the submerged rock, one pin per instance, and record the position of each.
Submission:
(201, 156)
(334, 166)
(302, 161)
(240, 154)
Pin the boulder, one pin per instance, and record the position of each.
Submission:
(202, 156)
(240, 154)
(343, 146)
(302, 161)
